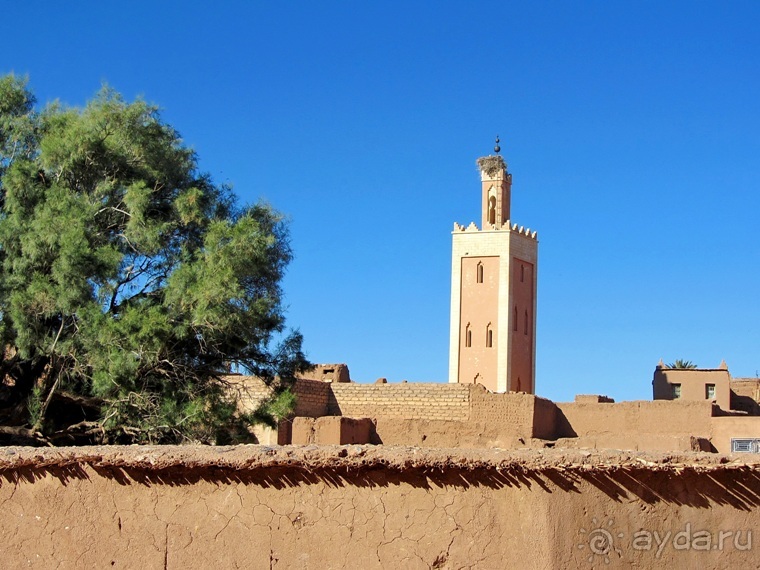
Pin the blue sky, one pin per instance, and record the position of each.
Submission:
(632, 131)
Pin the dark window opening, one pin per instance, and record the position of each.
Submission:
(489, 337)
(526, 322)
(480, 273)
(514, 324)
(468, 337)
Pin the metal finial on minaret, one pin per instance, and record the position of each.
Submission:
(497, 148)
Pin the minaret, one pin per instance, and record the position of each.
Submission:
(493, 291)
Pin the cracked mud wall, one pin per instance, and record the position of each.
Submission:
(358, 508)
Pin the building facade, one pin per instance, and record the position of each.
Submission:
(693, 384)
(493, 292)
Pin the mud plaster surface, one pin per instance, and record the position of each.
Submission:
(369, 507)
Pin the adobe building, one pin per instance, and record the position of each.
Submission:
(693, 384)
(327, 373)
(493, 292)
(735, 402)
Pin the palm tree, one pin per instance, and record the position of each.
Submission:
(683, 364)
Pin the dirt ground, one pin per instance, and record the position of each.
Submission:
(252, 457)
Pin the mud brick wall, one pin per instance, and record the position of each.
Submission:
(726, 428)
(408, 401)
(311, 400)
(373, 510)
(659, 417)
(521, 415)
(513, 413)
(468, 416)
(745, 395)
(312, 397)
(544, 418)
(249, 390)
(331, 430)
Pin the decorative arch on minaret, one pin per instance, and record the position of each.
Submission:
(492, 205)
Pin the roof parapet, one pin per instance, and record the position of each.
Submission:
(522, 230)
(508, 226)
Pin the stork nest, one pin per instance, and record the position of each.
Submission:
(492, 165)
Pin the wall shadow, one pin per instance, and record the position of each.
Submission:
(744, 404)
(736, 487)
(563, 428)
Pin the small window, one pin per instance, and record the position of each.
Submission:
(480, 273)
(514, 324)
(526, 322)
(489, 336)
(467, 336)
(710, 391)
(741, 445)
(745, 445)
(676, 391)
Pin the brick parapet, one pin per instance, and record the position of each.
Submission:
(409, 401)
(312, 397)
(509, 227)
(515, 413)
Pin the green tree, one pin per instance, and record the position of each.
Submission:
(130, 282)
(682, 364)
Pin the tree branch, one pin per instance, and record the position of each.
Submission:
(53, 366)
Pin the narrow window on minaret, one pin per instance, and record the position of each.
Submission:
(514, 324)
(467, 336)
(522, 273)
(492, 210)
(480, 272)
(489, 336)
(526, 321)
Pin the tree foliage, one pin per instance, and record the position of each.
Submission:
(682, 364)
(130, 283)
